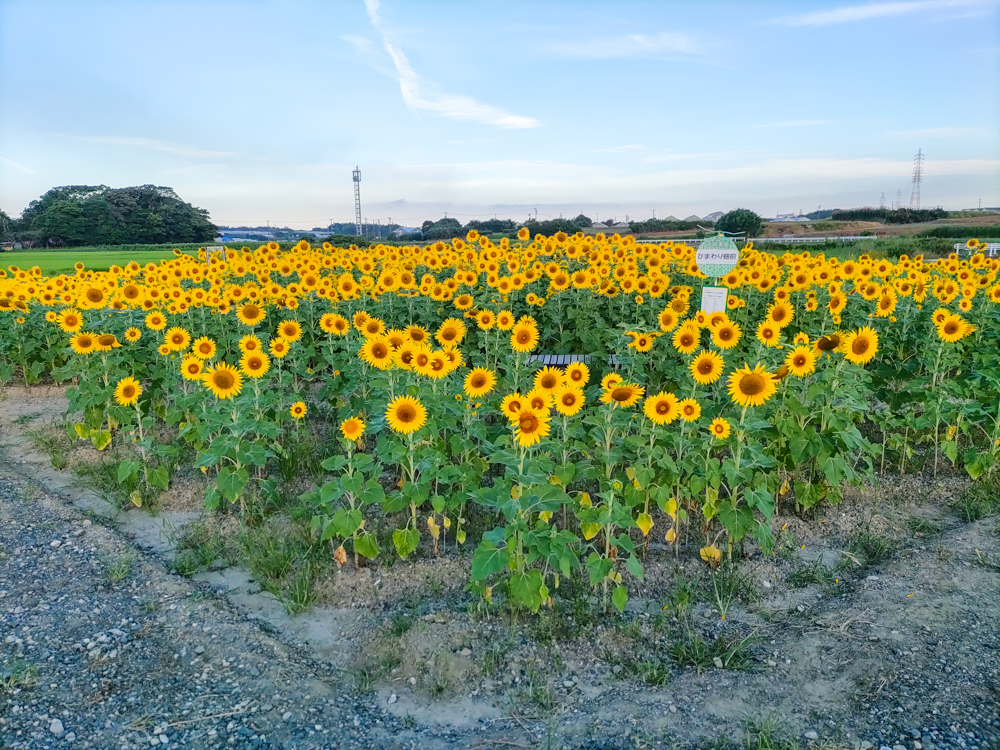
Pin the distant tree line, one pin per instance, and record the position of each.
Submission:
(98, 215)
(666, 225)
(889, 215)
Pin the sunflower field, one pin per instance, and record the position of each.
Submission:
(429, 370)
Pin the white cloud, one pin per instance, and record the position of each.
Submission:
(632, 45)
(417, 95)
(947, 132)
(167, 147)
(792, 124)
(15, 164)
(616, 149)
(850, 13)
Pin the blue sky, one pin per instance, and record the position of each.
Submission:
(258, 111)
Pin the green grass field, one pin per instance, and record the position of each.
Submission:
(61, 261)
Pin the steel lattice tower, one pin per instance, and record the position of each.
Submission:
(918, 166)
(357, 200)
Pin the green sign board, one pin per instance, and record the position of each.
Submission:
(717, 256)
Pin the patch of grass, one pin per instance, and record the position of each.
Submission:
(729, 583)
(298, 595)
(200, 545)
(925, 526)
(102, 476)
(24, 419)
(52, 442)
(648, 670)
(493, 659)
(689, 649)
(17, 674)
(763, 733)
(815, 572)
(984, 560)
(979, 501)
(119, 567)
(401, 623)
(867, 547)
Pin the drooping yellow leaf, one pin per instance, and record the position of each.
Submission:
(645, 523)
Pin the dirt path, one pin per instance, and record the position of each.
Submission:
(101, 646)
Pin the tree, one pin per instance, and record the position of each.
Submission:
(6, 226)
(740, 220)
(583, 221)
(99, 215)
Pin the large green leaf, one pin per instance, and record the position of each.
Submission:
(366, 545)
(231, 482)
(405, 541)
(488, 559)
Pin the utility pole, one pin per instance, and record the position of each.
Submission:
(881, 201)
(357, 201)
(918, 168)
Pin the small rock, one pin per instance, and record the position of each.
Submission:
(717, 662)
(56, 727)
(392, 699)
(567, 683)
(616, 669)
(70, 736)
(917, 745)
(873, 638)
(164, 740)
(915, 734)
(898, 747)
(286, 716)
(88, 522)
(466, 652)
(55, 543)
(772, 663)
(866, 745)
(811, 735)
(673, 709)
(413, 680)
(766, 584)
(199, 650)
(871, 578)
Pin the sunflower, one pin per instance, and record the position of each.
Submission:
(662, 408)
(720, 428)
(610, 380)
(861, 346)
(623, 395)
(951, 329)
(250, 314)
(685, 340)
(577, 374)
(801, 361)
(485, 319)
(512, 405)
(830, 343)
(352, 428)
(568, 400)
(377, 352)
(405, 415)
(83, 343)
(69, 321)
(250, 343)
(707, 367)
(780, 314)
(156, 321)
(191, 367)
(524, 337)
(132, 335)
(548, 379)
(668, 320)
(531, 426)
(727, 335)
(642, 343)
(690, 410)
(255, 364)
(479, 382)
(334, 324)
(886, 304)
(768, 333)
(751, 387)
(127, 391)
(505, 320)
(298, 410)
(106, 342)
(164, 350)
(417, 334)
(279, 348)
(177, 339)
(451, 332)
(223, 380)
(290, 330)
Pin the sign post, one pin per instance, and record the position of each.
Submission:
(716, 257)
(216, 250)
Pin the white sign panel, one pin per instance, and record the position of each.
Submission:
(717, 256)
(713, 299)
(217, 250)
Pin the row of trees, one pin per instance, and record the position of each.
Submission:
(890, 215)
(98, 215)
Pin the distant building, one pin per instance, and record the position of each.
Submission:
(713, 217)
(692, 217)
(403, 231)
